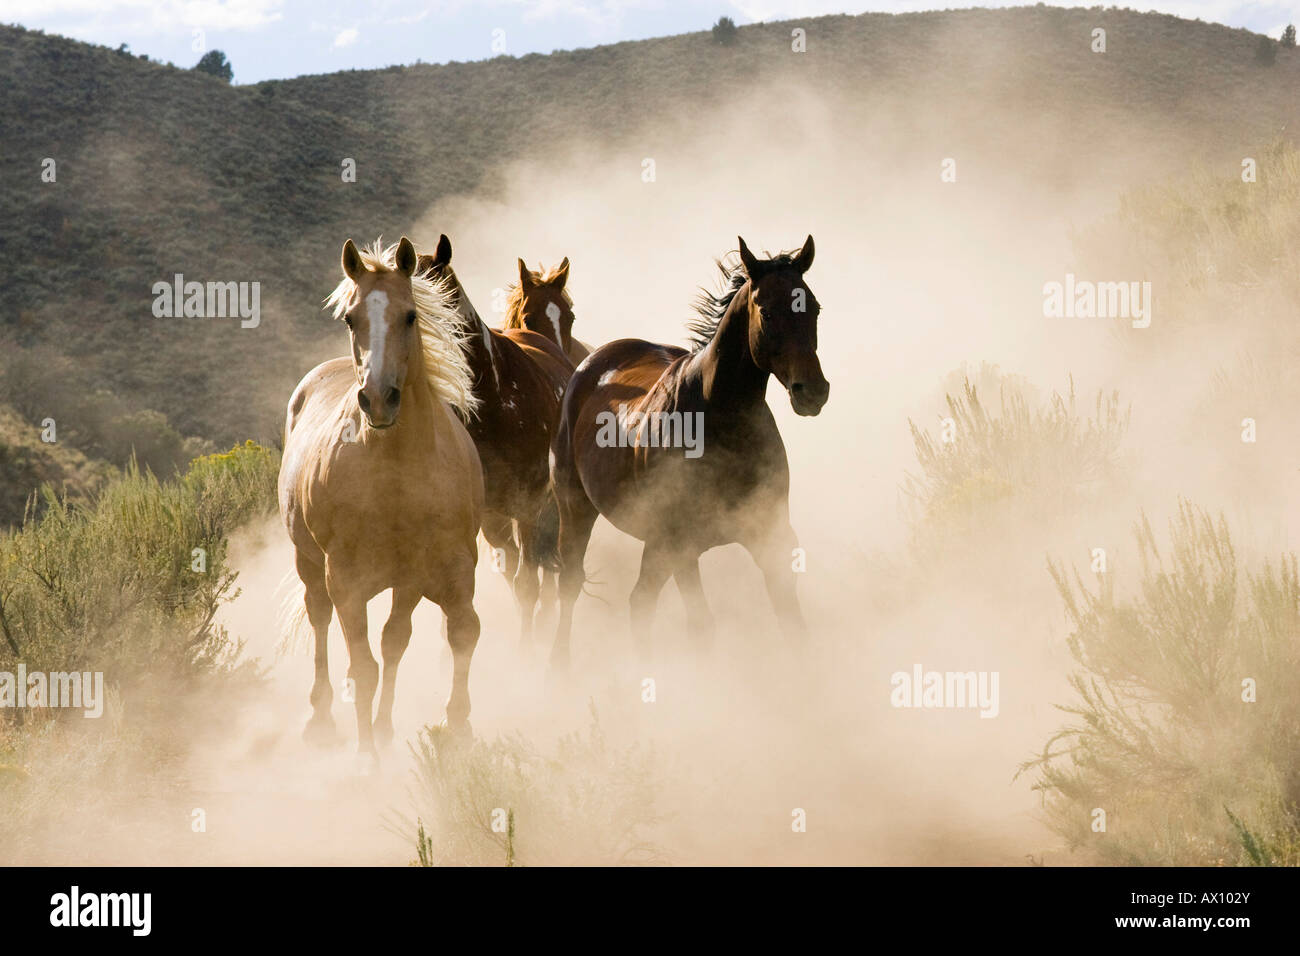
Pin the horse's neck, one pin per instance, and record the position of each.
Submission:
(417, 422)
(730, 377)
(482, 352)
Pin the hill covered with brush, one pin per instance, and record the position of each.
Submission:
(160, 170)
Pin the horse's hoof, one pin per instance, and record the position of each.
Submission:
(320, 732)
(367, 763)
(462, 732)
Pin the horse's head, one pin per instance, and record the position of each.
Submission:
(381, 317)
(783, 325)
(438, 265)
(437, 268)
(540, 304)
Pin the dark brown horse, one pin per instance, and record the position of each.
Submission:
(680, 449)
(518, 381)
(541, 303)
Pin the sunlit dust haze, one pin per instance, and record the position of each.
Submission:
(917, 278)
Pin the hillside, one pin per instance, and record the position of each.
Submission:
(161, 170)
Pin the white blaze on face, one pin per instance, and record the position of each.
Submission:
(553, 313)
(376, 306)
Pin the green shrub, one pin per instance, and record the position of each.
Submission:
(1265, 51)
(1187, 771)
(109, 583)
(1033, 453)
(725, 31)
(214, 63)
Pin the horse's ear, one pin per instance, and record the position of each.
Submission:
(407, 259)
(525, 277)
(442, 255)
(561, 275)
(752, 266)
(805, 257)
(352, 265)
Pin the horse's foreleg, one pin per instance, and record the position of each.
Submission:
(774, 556)
(462, 635)
(699, 619)
(363, 670)
(499, 533)
(656, 566)
(320, 728)
(526, 586)
(397, 635)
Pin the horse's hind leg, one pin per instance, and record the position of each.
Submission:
(397, 635)
(320, 728)
(699, 619)
(577, 516)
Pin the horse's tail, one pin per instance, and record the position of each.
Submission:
(292, 619)
(546, 533)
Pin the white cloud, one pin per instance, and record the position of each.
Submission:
(346, 38)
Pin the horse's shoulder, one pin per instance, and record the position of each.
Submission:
(319, 392)
(324, 375)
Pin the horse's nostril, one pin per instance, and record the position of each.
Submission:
(363, 401)
(393, 396)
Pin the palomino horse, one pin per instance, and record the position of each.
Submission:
(518, 382)
(680, 449)
(541, 304)
(380, 485)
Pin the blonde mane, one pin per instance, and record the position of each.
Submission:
(515, 298)
(443, 337)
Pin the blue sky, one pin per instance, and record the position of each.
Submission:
(271, 39)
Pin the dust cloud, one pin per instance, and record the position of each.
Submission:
(916, 278)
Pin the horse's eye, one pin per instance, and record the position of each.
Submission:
(410, 318)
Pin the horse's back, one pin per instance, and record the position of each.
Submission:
(622, 370)
(543, 353)
(623, 376)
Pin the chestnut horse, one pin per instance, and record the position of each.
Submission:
(518, 381)
(540, 302)
(679, 448)
(380, 486)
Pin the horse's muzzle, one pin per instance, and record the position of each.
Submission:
(381, 412)
(807, 398)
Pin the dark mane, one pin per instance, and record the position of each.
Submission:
(712, 306)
